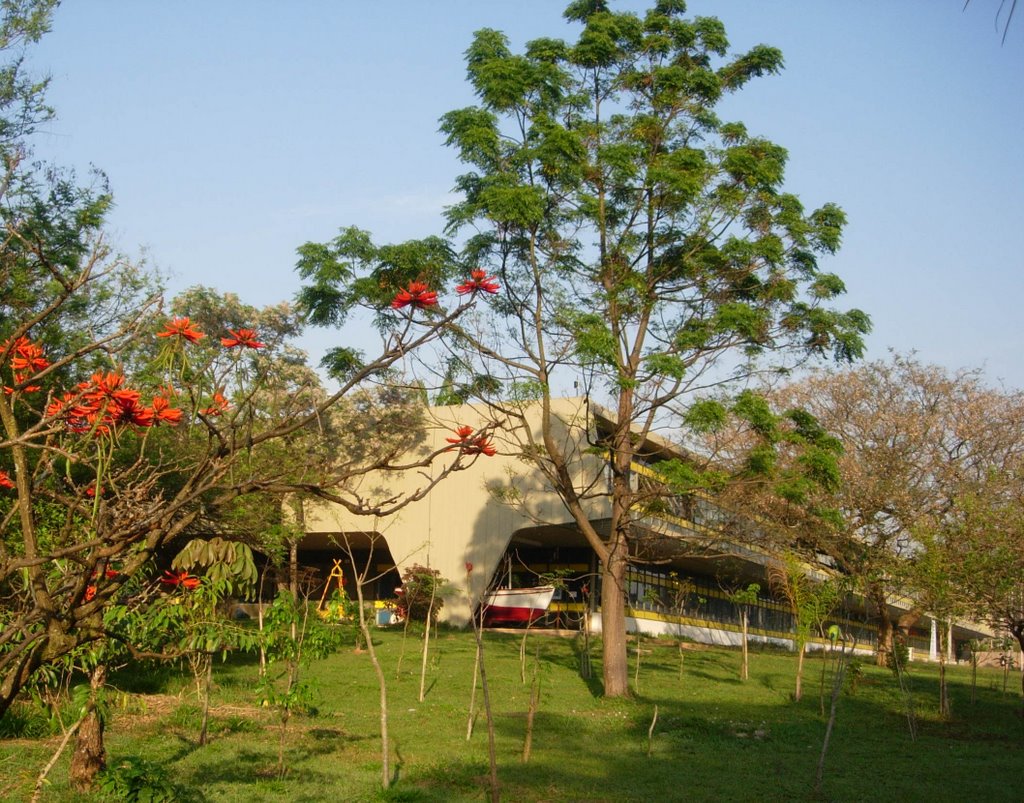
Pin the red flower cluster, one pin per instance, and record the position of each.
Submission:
(220, 405)
(467, 443)
(5, 479)
(182, 579)
(181, 327)
(478, 281)
(242, 337)
(103, 403)
(27, 360)
(90, 591)
(416, 295)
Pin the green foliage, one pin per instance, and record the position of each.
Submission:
(746, 596)
(898, 659)
(133, 779)
(226, 563)
(292, 637)
(29, 719)
(351, 272)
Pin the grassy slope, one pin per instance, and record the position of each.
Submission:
(715, 739)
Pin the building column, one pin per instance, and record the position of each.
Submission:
(950, 647)
(933, 647)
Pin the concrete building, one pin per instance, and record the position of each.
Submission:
(501, 517)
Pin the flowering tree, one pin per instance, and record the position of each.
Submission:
(123, 426)
(918, 441)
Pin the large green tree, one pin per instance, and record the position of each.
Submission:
(647, 250)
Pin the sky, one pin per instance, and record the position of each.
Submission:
(233, 131)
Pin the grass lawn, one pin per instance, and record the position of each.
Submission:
(716, 738)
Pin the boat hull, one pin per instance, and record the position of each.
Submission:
(516, 606)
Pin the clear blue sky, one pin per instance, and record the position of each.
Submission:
(234, 130)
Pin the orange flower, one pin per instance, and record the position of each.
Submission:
(27, 356)
(469, 444)
(242, 337)
(26, 361)
(77, 413)
(418, 295)
(101, 386)
(478, 280)
(220, 405)
(462, 434)
(163, 411)
(127, 410)
(181, 327)
(5, 479)
(480, 445)
(182, 578)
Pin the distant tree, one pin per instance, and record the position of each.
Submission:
(743, 599)
(984, 549)
(916, 438)
(810, 601)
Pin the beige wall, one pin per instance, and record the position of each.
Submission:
(463, 519)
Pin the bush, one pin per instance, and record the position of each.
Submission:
(135, 780)
(28, 721)
(422, 588)
(899, 658)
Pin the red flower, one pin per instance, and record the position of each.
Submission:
(469, 567)
(181, 327)
(463, 434)
(101, 386)
(163, 411)
(5, 479)
(77, 413)
(90, 592)
(91, 491)
(27, 356)
(26, 361)
(182, 578)
(126, 409)
(481, 445)
(478, 280)
(417, 295)
(220, 405)
(242, 337)
(468, 444)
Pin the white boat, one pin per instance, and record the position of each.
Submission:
(516, 605)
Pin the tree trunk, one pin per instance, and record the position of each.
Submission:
(205, 681)
(885, 628)
(90, 756)
(744, 663)
(799, 690)
(382, 688)
(943, 686)
(614, 663)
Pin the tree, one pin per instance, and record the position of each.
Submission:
(743, 598)
(916, 437)
(124, 428)
(810, 600)
(644, 247)
(984, 547)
